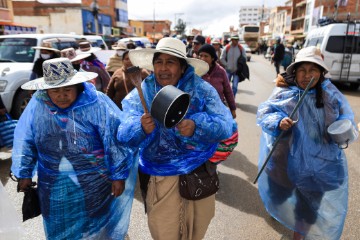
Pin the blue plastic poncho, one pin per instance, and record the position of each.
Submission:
(76, 155)
(305, 183)
(165, 152)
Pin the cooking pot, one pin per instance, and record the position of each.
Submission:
(170, 105)
(342, 132)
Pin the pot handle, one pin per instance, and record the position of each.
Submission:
(345, 145)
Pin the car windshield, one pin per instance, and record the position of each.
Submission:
(17, 49)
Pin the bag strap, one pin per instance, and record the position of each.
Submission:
(8, 116)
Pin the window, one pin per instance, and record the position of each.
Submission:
(314, 42)
(341, 44)
(17, 49)
(3, 4)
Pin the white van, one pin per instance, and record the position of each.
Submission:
(17, 58)
(340, 45)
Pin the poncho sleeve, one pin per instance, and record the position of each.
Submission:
(25, 154)
(277, 107)
(118, 156)
(214, 122)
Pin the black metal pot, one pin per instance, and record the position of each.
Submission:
(170, 105)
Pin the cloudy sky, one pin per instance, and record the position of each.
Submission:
(211, 16)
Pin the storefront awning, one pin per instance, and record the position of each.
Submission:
(16, 28)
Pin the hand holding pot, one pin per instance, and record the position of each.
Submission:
(147, 123)
(186, 127)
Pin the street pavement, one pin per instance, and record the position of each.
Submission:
(240, 214)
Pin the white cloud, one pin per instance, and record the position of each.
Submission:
(213, 17)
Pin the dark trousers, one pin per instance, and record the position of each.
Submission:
(277, 67)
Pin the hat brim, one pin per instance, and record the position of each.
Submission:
(119, 48)
(80, 57)
(92, 50)
(39, 83)
(290, 68)
(144, 57)
(46, 48)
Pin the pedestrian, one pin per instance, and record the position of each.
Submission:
(46, 52)
(217, 77)
(75, 59)
(197, 42)
(278, 55)
(115, 62)
(218, 49)
(167, 153)
(67, 134)
(229, 59)
(93, 64)
(120, 85)
(189, 40)
(305, 183)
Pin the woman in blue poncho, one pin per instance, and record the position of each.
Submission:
(167, 153)
(67, 134)
(305, 183)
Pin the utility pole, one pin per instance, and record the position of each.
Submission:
(95, 11)
(153, 27)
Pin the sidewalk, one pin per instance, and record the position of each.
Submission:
(5, 153)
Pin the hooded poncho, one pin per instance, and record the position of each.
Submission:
(76, 156)
(305, 183)
(165, 152)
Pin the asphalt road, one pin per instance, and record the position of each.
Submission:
(239, 211)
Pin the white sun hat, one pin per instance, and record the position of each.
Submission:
(85, 47)
(172, 46)
(308, 54)
(72, 56)
(58, 72)
(46, 46)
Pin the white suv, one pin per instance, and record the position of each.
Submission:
(16, 62)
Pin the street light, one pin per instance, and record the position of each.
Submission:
(95, 12)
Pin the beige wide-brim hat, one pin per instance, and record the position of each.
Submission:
(172, 46)
(309, 54)
(46, 46)
(58, 72)
(70, 53)
(86, 48)
(119, 46)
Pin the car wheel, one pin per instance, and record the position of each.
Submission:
(20, 102)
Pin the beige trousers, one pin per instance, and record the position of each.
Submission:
(171, 217)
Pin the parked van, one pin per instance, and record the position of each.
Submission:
(340, 45)
(17, 58)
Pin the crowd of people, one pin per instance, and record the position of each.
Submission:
(88, 135)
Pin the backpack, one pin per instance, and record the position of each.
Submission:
(242, 67)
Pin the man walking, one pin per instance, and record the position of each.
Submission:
(278, 56)
(229, 59)
(196, 45)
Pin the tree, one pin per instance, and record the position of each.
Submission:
(180, 27)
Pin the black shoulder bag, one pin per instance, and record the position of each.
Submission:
(200, 183)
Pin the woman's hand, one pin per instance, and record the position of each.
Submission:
(233, 113)
(117, 188)
(286, 123)
(24, 184)
(147, 123)
(186, 127)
